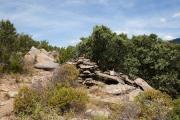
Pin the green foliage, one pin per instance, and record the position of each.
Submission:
(100, 118)
(7, 35)
(16, 63)
(125, 111)
(62, 97)
(24, 43)
(7, 40)
(25, 102)
(66, 54)
(176, 110)
(66, 75)
(12, 43)
(66, 98)
(146, 56)
(45, 45)
(154, 105)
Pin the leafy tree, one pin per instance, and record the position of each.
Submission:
(16, 63)
(25, 42)
(66, 54)
(146, 56)
(12, 43)
(7, 35)
(7, 39)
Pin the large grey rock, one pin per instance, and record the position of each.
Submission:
(85, 66)
(30, 57)
(143, 84)
(86, 72)
(133, 94)
(41, 59)
(46, 65)
(118, 89)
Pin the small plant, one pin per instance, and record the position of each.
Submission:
(66, 75)
(154, 105)
(100, 118)
(67, 98)
(16, 63)
(25, 101)
(176, 110)
(125, 111)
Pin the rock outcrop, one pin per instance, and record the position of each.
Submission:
(114, 83)
(143, 84)
(41, 59)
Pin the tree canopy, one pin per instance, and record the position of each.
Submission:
(146, 56)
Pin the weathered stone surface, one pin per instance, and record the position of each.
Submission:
(85, 66)
(7, 108)
(3, 88)
(133, 94)
(29, 59)
(118, 89)
(113, 73)
(46, 65)
(88, 79)
(143, 84)
(41, 59)
(86, 72)
(97, 113)
(89, 63)
(71, 63)
(12, 94)
(109, 77)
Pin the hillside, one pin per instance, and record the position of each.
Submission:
(106, 76)
(177, 40)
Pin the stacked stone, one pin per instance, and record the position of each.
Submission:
(87, 71)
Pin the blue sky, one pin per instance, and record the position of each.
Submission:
(63, 22)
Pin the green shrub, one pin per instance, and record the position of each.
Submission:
(67, 53)
(25, 101)
(176, 110)
(66, 75)
(67, 98)
(125, 111)
(146, 56)
(16, 63)
(100, 118)
(154, 105)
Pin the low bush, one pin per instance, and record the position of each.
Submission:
(67, 98)
(154, 105)
(66, 75)
(176, 110)
(25, 101)
(16, 63)
(125, 111)
(66, 54)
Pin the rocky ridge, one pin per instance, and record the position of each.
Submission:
(115, 86)
(102, 86)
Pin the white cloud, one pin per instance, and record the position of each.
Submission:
(168, 37)
(163, 20)
(74, 41)
(176, 15)
(103, 2)
(121, 31)
(43, 21)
